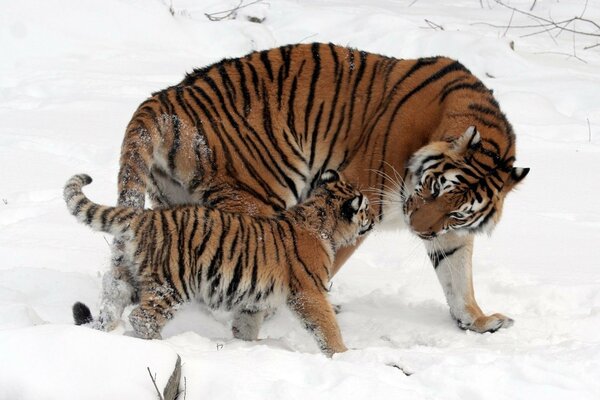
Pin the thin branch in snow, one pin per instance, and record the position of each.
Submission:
(153, 378)
(552, 23)
(433, 25)
(589, 130)
(307, 37)
(509, 22)
(562, 54)
(407, 373)
(227, 14)
(532, 5)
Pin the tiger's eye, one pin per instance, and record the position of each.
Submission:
(457, 215)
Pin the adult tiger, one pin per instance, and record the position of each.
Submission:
(252, 134)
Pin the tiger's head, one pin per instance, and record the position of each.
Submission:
(347, 211)
(458, 186)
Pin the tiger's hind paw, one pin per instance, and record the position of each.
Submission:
(489, 323)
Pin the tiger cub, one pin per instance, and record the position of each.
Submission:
(233, 261)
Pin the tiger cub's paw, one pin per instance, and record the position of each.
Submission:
(489, 323)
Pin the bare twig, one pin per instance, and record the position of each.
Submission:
(160, 396)
(229, 13)
(562, 54)
(433, 25)
(509, 22)
(307, 37)
(532, 5)
(592, 46)
(554, 24)
(407, 373)
(589, 130)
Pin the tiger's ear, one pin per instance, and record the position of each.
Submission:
(350, 208)
(469, 140)
(328, 176)
(517, 174)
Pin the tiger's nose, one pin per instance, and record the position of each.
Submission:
(426, 235)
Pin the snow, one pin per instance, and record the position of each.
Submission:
(71, 74)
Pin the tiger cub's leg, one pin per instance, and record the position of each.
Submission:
(246, 323)
(451, 256)
(157, 305)
(118, 290)
(317, 316)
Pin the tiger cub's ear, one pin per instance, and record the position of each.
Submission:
(328, 176)
(517, 174)
(350, 208)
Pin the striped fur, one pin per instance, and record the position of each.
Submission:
(232, 261)
(252, 135)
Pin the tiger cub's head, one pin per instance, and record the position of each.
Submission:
(458, 186)
(348, 212)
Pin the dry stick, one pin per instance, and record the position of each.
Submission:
(154, 382)
(543, 30)
(553, 23)
(240, 5)
(433, 25)
(509, 21)
(532, 5)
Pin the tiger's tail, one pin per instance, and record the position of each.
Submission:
(113, 220)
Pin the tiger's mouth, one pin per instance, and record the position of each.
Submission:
(366, 227)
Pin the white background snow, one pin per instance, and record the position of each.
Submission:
(73, 71)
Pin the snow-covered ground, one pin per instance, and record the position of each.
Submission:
(73, 71)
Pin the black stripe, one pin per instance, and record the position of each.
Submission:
(244, 87)
(313, 142)
(264, 57)
(474, 87)
(311, 93)
(181, 218)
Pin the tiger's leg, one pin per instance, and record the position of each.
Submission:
(451, 256)
(246, 323)
(157, 305)
(317, 316)
(118, 291)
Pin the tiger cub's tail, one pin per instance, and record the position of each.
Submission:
(113, 220)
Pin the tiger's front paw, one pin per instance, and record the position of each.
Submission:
(489, 323)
